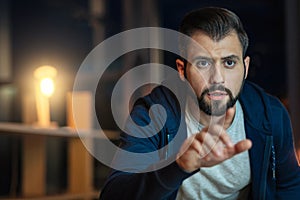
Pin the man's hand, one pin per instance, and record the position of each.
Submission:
(208, 148)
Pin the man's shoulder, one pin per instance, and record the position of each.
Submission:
(158, 95)
(260, 108)
(253, 93)
(171, 93)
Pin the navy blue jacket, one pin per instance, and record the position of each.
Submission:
(275, 173)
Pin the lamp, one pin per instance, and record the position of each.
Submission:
(44, 88)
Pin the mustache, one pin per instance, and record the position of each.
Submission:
(215, 88)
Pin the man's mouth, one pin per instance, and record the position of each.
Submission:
(217, 95)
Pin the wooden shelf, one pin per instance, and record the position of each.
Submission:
(17, 128)
(80, 162)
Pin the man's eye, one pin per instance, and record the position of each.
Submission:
(202, 64)
(229, 63)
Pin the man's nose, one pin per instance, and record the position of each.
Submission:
(217, 75)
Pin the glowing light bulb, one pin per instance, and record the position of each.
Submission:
(47, 86)
(44, 88)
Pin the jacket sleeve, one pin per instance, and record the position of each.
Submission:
(158, 184)
(288, 171)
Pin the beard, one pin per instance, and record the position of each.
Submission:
(216, 107)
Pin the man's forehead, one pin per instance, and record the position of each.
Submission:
(203, 45)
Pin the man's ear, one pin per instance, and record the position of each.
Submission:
(180, 68)
(246, 63)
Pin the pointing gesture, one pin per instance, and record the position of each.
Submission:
(211, 146)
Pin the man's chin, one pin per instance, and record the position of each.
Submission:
(216, 108)
(213, 112)
(218, 113)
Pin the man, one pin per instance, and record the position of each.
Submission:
(238, 146)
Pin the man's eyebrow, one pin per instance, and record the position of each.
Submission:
(231, 57)
(201, 58)
(209, 59)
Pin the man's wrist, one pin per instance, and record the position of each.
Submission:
(181, 165)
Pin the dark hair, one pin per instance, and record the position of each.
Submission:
(217, 23)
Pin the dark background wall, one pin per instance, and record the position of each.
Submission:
(59, 33)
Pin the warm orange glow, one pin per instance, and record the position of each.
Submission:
(47, 86)
(45, 71)
(44, 85)
(44, 76)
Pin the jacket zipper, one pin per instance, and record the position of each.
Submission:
(267, 153)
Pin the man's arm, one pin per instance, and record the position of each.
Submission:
(160, 184)
(156, 184)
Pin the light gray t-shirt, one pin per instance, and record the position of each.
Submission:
(228, 180)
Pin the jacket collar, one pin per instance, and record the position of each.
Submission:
(255, 104)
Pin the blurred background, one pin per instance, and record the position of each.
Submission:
(61, 33)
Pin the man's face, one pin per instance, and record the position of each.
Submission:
(216, 72)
